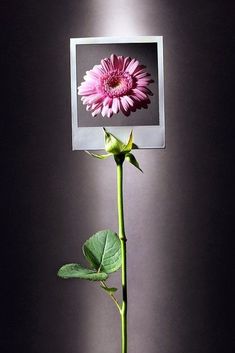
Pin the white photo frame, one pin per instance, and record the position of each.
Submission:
(150, 129)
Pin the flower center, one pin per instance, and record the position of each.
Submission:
(113, 82)
(116, 83)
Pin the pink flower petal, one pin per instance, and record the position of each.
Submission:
(95, 105)
(135, 99)
(143, 82)
(98, 69)
(86, 91)
(140, 94)
(95, 98)
(114, 61)
(133, 67)
(141, 74)
(96, 112)
(145, 90)
(126, 62)
(124, 104)
(140, 71)
(105, 65)
(130, 65)
(129, 100)
(104, 110)
(110, 113)
(93, 74)
(115, 105)
(108, 101)
(120, 62)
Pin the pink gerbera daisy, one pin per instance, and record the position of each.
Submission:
(118, 84)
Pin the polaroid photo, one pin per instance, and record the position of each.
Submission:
(117, 83)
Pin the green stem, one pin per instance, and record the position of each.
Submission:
(123, 239)
(112, 297)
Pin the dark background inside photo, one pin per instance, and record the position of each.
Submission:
(89, 55)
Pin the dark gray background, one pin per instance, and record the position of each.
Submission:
(146, 54)
(178, 215)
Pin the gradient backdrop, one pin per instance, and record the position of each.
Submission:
(177, 214)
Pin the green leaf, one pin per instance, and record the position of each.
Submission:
(103, 251)
(128, 146)
(78, 271)
(131, 159)
(99, 156)
(112, 144)
(110, 290)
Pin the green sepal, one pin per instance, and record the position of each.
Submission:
(112, 144)
(99, 156)
(78, 271)
(131, 159)
(103, 251)
(134, 146)
(128, 147)
(110, 290)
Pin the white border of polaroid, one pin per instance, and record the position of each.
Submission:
(92, 138)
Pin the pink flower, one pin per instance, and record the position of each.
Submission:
(118, 84)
